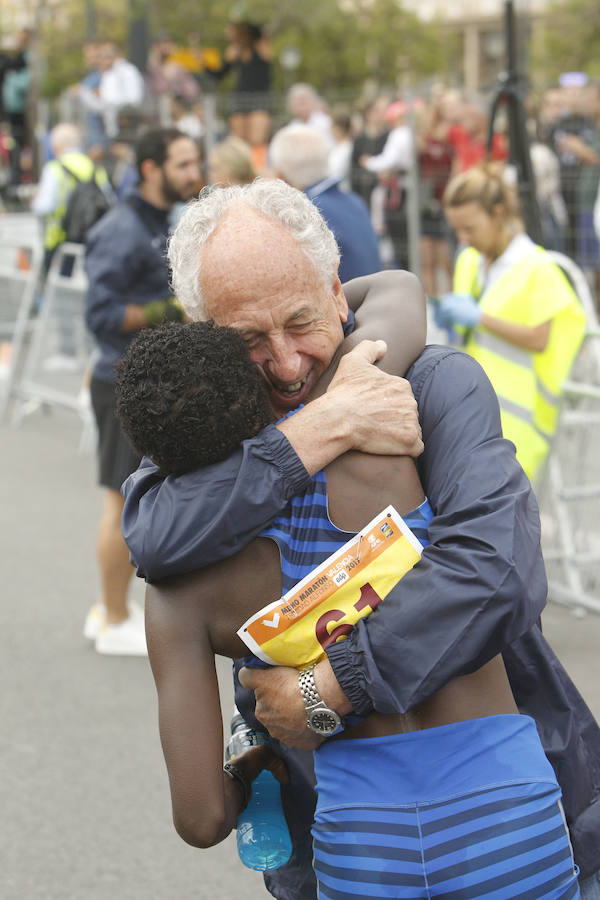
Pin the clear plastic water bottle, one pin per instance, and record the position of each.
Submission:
(263, 837)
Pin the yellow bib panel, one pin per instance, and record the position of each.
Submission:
(325, 605)
(528, 384)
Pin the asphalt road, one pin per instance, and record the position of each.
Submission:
(83, 788)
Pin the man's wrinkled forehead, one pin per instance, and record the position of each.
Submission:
(249, 254)
(241, 227)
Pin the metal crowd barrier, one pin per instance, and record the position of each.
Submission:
(60, 347)
(21, 260)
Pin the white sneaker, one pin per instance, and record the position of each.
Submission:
(94, 621)
(96, 618)
(84, 405)
(128, 638)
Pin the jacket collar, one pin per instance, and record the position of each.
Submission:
(314, 190)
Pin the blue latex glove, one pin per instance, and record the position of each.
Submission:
(458, 309)
(440, 315)
(443, 321)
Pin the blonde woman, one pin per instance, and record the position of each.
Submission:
(230, 162)
(512, 309)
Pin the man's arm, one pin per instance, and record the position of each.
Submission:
(110, 261)
(182, 523)
(114, 256)
(481, 583)
(174, 525)
(479, 586)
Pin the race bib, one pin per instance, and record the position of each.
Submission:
(325, 605)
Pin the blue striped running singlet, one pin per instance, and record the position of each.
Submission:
(306, 536)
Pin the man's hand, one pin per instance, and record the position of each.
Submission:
(362, 409)
(381, 409)
(279, 704)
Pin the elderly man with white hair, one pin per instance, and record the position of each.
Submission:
(253, 258)
(300, 156)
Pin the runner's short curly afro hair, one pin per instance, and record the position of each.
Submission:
(189, 394)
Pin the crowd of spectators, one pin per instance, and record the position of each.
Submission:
(381, 146)
(15, 82)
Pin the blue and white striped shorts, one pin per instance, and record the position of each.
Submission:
(464, 811)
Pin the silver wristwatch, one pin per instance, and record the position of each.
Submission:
(319, 718)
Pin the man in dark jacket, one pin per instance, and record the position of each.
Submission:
(129, 289)
(480, 586)
(299, 155)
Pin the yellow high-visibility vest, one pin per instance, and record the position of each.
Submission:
(528, 384)
(83, 167)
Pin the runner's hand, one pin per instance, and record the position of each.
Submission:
(252, 761)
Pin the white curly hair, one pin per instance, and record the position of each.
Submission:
(270, 197)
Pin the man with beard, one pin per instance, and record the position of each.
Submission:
(128, 290)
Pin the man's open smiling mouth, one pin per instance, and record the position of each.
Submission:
(290, 389)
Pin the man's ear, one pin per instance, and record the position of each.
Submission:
(148, 170)
(340, 299)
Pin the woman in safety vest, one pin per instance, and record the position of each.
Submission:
(512, 309)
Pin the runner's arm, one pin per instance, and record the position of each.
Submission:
(206, 801)
(389, 305)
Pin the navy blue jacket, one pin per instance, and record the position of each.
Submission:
(348, 217)
(478, 590)
(125, 262)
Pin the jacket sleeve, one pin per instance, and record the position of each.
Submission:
(176, 524)
(109, 257)
(481, 583)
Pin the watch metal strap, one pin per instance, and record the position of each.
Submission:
(308, 688)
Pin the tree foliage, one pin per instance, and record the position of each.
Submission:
(568, 40)
(64, 29)
(341, 43)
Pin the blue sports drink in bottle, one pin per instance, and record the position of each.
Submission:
(263, 837)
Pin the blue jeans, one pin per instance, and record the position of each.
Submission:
(589, 888)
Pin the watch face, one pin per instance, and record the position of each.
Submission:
(324, 721)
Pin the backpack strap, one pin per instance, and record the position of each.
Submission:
(68, 172)
(93, 176)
